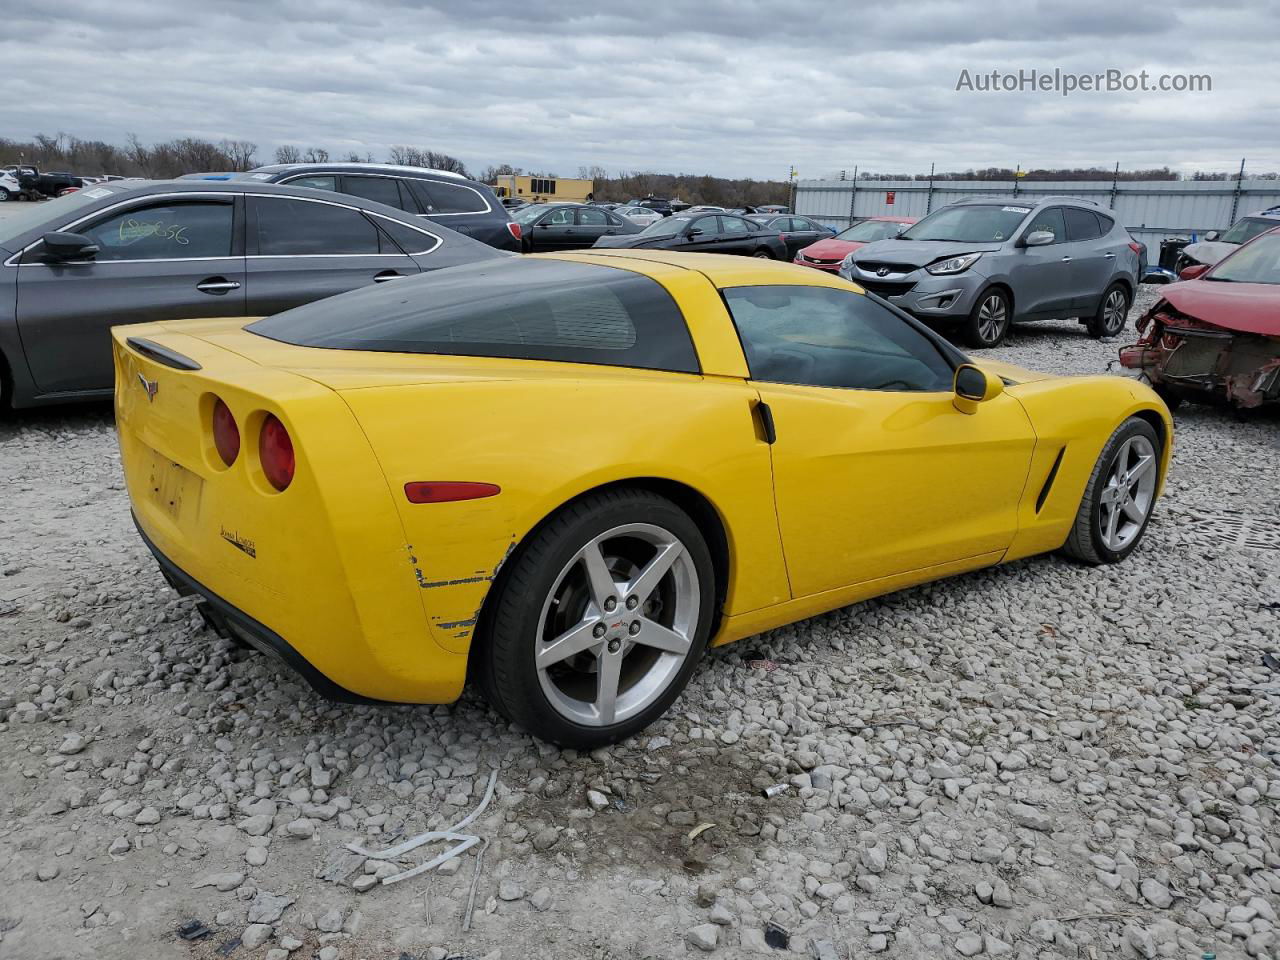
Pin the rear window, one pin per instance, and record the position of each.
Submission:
(449, 197)
(520, 308)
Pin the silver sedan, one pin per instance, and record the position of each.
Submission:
(642, 216)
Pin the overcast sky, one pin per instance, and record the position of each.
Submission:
(728, 87)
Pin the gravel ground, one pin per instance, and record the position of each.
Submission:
(1040, 760)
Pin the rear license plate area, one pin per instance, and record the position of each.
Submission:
(174, 489)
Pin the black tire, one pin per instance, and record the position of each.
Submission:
(1106, 321)
(1085, 542)
(4, 195)
(505, 668)
(979, 330)
(764, 254)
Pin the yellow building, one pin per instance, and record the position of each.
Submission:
(545, 189)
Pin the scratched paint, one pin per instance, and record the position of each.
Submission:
(432, 584)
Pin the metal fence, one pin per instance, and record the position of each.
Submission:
(1151, 209)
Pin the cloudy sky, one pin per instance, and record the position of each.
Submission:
(729, 87)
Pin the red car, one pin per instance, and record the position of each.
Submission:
(1216, 333)
(827, 254)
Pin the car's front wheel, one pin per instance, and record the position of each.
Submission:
(1112, 310)
(989, 319)
(4, 195)
(600, 619)
(1119, 497)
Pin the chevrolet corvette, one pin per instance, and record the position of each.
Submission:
(564, 476)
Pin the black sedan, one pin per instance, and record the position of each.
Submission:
(133, 251)
(567, 226)
(797, 232)
(705, 233)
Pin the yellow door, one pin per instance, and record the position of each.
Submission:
(869, 484)
(876, 473)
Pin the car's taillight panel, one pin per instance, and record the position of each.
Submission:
(226, 433)
(275, 453)
(514, 229)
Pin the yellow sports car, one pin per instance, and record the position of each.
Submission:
(563, 476)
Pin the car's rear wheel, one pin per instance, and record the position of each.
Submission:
(1119, 497)
(600, 620)
(1112, 310)
(4, 195)
(989, 319)
(763, 254)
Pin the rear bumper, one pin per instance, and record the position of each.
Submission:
(236, 621)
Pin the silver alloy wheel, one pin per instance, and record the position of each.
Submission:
(617, 624)
(1130, 491)
(1113, 311)
(991, 318)
(763, 255)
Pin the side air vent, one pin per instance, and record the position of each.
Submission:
(1048, 481)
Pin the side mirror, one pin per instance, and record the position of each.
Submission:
(1038, 238)
(1193, 271)
(694, 232)
(1212, 235)
(69, 248)
(973, 386)
(544, 224)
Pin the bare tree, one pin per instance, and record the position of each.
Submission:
(240, 152)
(288, 154)
(317, 155)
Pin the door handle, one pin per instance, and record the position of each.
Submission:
(1108, 256)
(1066, 259)
(217, 285)
(386, 275)
(768, 430)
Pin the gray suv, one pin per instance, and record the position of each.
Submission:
(984, 263)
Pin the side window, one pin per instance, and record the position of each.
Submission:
(379, 189)
(1081, 224)
(407, 200)
(1105, 223)
(164, 231)
(406, 237)
(614, 220)
(316, 183)
(562, 217)
(710, 226)
(823, 337)
(450, 197)
(301, 228)
(734, 227)
(1050, 219)
(592, 218)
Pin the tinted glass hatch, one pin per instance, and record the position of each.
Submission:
(513, 308)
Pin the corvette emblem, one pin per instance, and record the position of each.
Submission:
(152, 387)
(882, 272)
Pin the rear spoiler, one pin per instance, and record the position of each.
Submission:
(162, 354)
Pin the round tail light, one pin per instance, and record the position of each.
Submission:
(275, 452)
(226, 435)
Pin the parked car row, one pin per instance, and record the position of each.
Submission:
(23, 182)
(143, 250)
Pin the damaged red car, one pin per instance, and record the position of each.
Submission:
(1215, 335)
